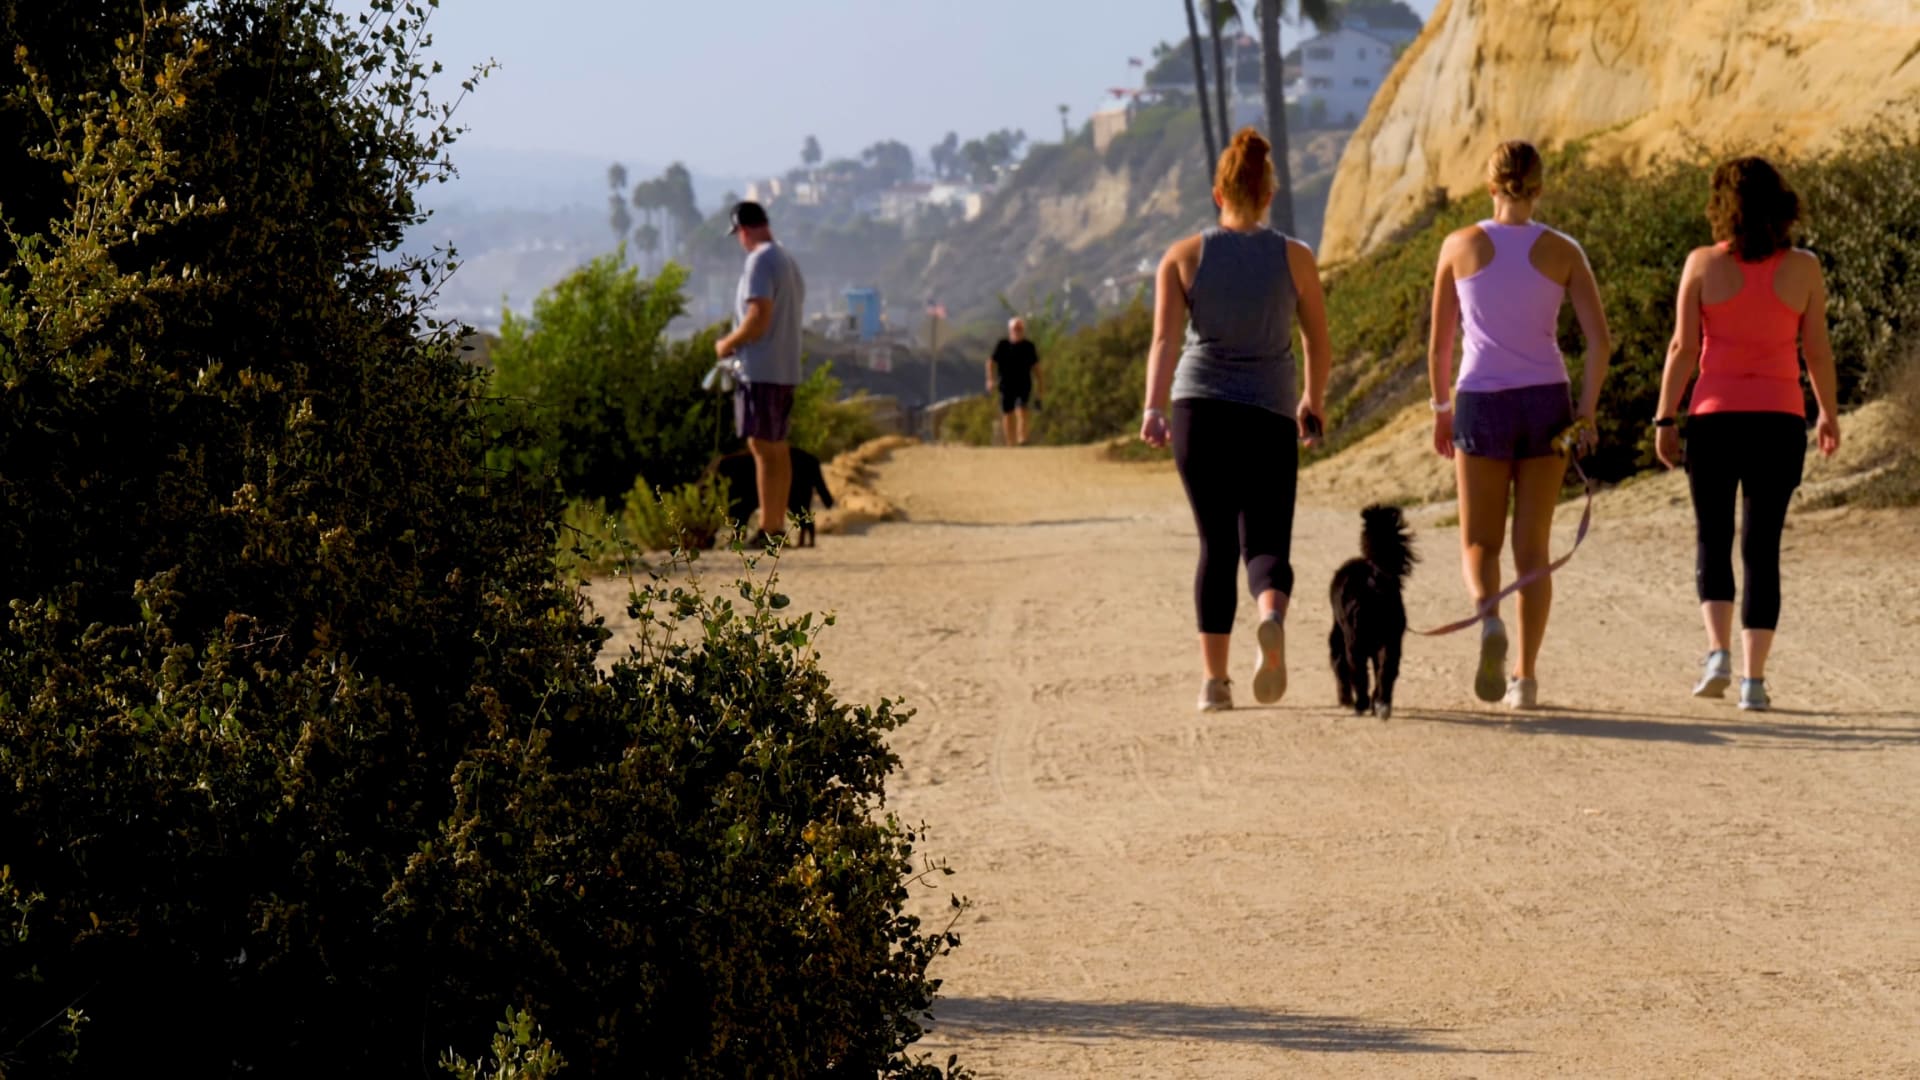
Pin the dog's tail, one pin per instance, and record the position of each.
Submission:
(1385, 541)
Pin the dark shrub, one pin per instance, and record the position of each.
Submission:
(305, 767)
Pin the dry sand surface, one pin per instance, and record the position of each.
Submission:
(1627, 882)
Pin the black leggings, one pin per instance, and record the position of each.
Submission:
(1761, 455)
(1240, 465)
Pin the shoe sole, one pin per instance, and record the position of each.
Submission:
(1756, 706)
(1270, 684)
(1216, 707)
(1490, 682)
(1713, 686)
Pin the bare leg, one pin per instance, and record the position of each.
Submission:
(1718, 615)
(1020, 426)
(1483, 484)
(773, 472)
(1754, 647)
(1213, 654)
(1536, 489)
(1006, 429)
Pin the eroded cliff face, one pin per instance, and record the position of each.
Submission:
(1637, 79)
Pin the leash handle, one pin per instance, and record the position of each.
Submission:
(1492, 603)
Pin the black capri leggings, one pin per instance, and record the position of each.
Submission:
(1240, 465)
(1760, 454)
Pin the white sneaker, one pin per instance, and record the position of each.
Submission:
(1270, 683)
(1753, 695)
(1216, 695)
(1521, 693)
(1715, 675)
(1489, 678)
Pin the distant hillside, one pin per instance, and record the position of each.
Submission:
(1091, 225)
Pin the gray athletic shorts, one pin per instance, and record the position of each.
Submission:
(1510, 425)
(762, 410)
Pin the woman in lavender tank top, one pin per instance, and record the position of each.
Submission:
(1503, 282)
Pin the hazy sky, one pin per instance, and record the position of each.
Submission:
(734, 88)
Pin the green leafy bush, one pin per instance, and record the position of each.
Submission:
(606, 395)
(823, 422)
(305, 764)
(691, 516)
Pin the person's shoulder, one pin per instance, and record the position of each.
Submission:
(1185, 248)
(1801, 259)
(1465, 234)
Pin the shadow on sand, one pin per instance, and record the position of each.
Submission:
(1750, 729)
(1181, 1021)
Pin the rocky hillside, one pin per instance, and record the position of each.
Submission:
(1637, 79)
(1075, 220)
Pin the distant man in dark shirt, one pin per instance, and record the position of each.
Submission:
(1015, 371)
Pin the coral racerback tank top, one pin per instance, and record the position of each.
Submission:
(1750, 348)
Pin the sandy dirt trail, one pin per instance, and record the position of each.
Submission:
(1627, 882)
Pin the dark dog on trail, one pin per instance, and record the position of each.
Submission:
(1369, 619)
(743, 489)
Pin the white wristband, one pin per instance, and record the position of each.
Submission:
(1440, 406)
(1155, 412)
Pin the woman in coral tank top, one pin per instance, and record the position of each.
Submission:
(1749, 306)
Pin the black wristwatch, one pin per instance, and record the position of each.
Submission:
(1666, 421)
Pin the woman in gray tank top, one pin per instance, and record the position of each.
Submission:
(1229, 400)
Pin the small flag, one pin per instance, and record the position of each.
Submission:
(936, 311)
(1134, 61)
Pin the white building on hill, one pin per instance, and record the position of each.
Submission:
(1340, 71)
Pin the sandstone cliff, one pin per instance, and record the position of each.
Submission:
(1636, 78)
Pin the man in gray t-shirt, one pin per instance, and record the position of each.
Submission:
(766, 339)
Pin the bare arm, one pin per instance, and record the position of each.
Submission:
(1585, 292)
(1169, 317)
(1683, 352)
(751, 329)
(990, 370)
(1445, 323)
(1311, 307)
(1817, 347)
(1683, 359)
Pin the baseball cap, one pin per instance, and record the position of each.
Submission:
(747, 215)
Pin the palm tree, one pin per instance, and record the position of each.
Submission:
(1220, 14)
(619, 218)
(1320, 13)
(1066, 133)
(1200, 90)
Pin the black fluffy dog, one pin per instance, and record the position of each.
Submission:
(743, 489)
(1369, 619)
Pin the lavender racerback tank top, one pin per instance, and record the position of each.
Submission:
(1511, 313)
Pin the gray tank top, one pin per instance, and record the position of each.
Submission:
(1240, 323)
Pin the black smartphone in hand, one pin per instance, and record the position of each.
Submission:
(1310, 426)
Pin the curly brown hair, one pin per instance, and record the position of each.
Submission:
(1751, 208)
(1244, 177)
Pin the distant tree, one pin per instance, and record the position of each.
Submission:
(1321, 14)
(646, 240)
(1200, 89)
(888, 162)
(810, 154)
(945, 157)
(1066, 131)
(617, 202)
(1221, 15)
(985, 157)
